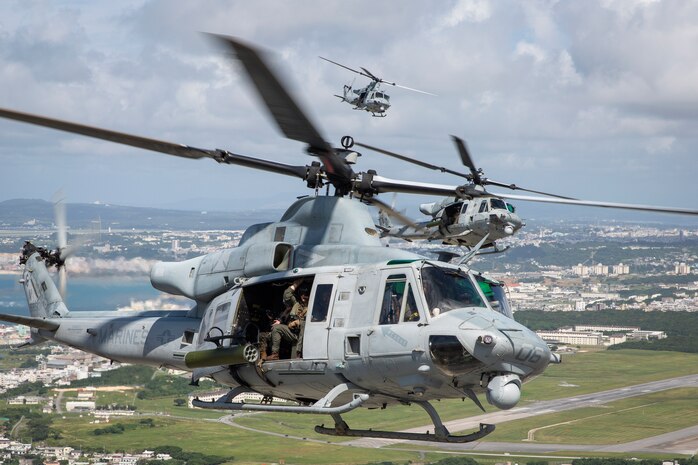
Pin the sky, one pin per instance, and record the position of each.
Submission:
(595, 100)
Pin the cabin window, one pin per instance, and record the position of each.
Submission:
(323, 294)
(498, 203)
(446, 289)
(483, 206)
(392, 299)
(411, 313)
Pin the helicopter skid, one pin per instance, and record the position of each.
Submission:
(441, 433)
(444, 436)
(322, 406)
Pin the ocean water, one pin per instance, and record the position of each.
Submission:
(84, 293)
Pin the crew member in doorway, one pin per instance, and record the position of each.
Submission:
(292, 332)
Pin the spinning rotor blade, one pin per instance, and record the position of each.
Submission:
(410, 88)
(381, 185)
(60, 220)
(514, 187)
(62, 281)
(423, 164)
(369, 75)
(288, 116)
(592, 203)
(391, 212)
(467, 160)
(412, 160)
(155, 145)
(62, 233)
(373, 77)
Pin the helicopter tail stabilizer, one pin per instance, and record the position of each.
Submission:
(44, 299)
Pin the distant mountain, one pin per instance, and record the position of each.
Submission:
(33, 213)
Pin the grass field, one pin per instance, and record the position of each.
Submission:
(622, 421)
(616, 422)
(214, 438)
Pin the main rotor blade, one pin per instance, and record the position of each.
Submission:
(373, 76)
(457, 173)
(467, 160)
(350, 69)
(412, 160)
(382, 184)
(391, 212)
(292, 121)
(112, 136)
(514, 187)
(60, 219)
(62, 281)
(592, 203)
(155, 145)
(413, 89)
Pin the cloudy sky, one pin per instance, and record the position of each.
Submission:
(593, 99)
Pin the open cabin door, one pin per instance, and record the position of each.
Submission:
(217, 323)
(317, 326)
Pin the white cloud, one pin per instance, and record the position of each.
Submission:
(469, 11)
(554, 86)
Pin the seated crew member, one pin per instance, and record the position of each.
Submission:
(292, 332)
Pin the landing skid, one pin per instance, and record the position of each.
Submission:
(441, 433)
(324, 406)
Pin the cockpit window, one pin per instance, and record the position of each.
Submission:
(511, 208)
(483, 206)
(392, 299)
(495, 293)
(411, 312)
(447, 289)
(399, 303)
(379, 95)
(498, 203)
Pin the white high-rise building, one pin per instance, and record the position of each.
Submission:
(682, 268)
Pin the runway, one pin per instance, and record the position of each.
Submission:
(684, 441)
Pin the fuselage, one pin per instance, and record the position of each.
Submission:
(391, 323)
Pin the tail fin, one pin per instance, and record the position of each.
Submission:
(384, 221)
(42, 294)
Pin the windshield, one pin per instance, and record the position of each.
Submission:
(495, 293)
(498, 203)
(447, 289)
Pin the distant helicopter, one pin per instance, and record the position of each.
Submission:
(370, 98)
(475, 218)
(383, 326)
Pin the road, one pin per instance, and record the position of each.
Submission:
(684, 441)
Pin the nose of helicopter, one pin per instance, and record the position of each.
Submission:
(511, 353)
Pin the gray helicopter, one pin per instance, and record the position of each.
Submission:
(370, 98)
(476, 218)
(381, 326)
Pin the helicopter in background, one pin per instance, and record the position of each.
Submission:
(370, 98)
(383, 326)
(476, 218)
